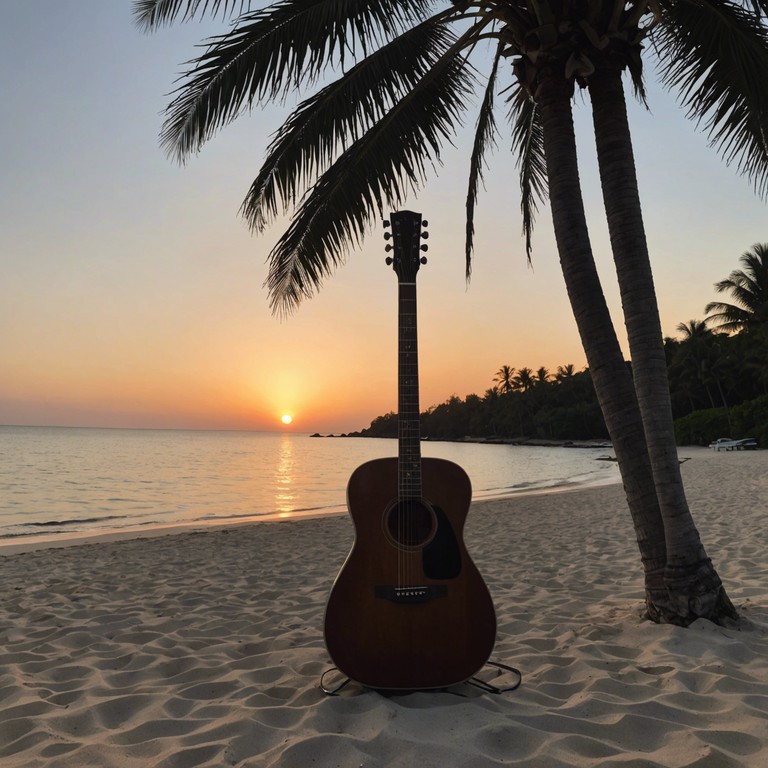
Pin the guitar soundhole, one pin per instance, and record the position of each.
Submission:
(410, 523)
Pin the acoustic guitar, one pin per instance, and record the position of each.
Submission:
(409, 610)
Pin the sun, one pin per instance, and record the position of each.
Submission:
(286, 418)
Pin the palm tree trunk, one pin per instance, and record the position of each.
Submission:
(693, 583)
(610, 375)
(711, 399)
(725, 404)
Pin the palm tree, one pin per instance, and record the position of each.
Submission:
(610, 376)
(749, 314)
(710, 50)
(565, 372)
(756, 358)
(523, 383)
(504, 378)
(749, 288)
(360, 143)
(693, 353)
(524, 380)
(700, 359)
(542, 376)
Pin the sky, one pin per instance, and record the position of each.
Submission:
(132, 292)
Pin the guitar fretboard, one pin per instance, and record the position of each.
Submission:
(409, 433)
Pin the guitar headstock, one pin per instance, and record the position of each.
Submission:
(407, 231)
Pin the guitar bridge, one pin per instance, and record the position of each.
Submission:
(414, 594)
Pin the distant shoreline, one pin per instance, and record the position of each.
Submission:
(536, 442)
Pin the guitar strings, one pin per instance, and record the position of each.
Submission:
(408, 469)
(409, 432)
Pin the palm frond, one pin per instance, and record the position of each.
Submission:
(484, 140)
(638, 85)
(725, 317)
(759, 7)
(150, 14)
(743, 288)
(693, 329)
(713, 51)
(375, 171)
(528, 146)
(748, 288)
(271, 52)
(323, 125)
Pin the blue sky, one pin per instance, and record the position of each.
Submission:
(132, 291)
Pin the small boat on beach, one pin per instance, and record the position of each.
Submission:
(726, 444)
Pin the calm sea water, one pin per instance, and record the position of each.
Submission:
(58, 481)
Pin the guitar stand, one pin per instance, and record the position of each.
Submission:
(488, 687)
(483, 685)
(336, 689)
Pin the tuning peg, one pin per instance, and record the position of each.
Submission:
(387, 235)
(425, 235)
(385, 223)
(424, 247)
(389, 260)
(387, 248)
(424, 223)
(423, 259)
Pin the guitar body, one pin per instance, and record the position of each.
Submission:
(409, 609)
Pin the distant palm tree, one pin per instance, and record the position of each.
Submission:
(749, 288)
(694, 329)
(542, 376)
(503, 378)
(700, 360)
(757, 355)
(565, 372)
(524, 380)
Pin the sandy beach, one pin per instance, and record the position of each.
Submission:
(206, 648)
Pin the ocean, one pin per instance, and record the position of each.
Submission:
(63, 481)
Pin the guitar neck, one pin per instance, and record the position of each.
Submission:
(409, 433)
(406, 236)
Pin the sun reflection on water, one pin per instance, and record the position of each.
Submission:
(285, 495)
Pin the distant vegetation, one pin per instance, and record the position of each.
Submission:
(560, 407)
(717, 368)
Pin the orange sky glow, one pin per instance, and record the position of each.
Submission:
(132, 292)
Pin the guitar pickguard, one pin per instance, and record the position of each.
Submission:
(441, 558)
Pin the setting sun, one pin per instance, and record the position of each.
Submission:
(286, 419)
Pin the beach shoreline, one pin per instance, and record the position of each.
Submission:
(68, 485)
(31, 542)
(206, 649)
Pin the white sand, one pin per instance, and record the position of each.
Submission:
(206, 649)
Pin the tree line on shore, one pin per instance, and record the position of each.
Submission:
(717, 369)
